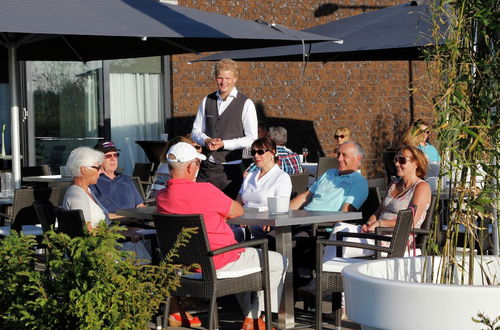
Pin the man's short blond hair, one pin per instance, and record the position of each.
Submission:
(226, 64)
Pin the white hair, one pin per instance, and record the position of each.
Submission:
(278, 134)
(83, 156)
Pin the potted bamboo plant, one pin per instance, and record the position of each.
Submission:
(457, 285)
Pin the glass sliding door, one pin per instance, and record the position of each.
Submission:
(66, 108)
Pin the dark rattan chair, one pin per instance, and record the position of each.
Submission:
(46, 214)
(371, 204)
(208, 286)
(324, 164)
(390, 167)
(63, 186)
(331, 281)
(299, 183)
(71, 222)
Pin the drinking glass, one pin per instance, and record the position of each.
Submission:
(7, 185)
(305, 152)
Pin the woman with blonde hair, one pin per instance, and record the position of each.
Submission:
(417, 135)
(342, 134)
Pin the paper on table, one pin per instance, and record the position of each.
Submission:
(256, 208)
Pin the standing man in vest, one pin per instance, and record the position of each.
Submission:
(226, 123)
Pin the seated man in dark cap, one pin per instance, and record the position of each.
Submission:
(114, 190)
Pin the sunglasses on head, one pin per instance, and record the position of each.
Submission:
(260, 152)
(109, 156)
(401, 160)
(339, 136)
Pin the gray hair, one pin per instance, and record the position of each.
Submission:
(278, 134)
(83, 156)
(357, 146)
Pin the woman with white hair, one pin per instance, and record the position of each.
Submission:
(84, 164)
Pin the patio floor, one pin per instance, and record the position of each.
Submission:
(230, 316)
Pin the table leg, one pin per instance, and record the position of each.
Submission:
(286, 316)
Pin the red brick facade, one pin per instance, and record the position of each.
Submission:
(371, 98)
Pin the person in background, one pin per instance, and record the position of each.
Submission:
(341, 135)
(184, 195)
(114, 190)
(417, 135)
(288, 160)
(162, 174)
(84, 164)
(226, 123)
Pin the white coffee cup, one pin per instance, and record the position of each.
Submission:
(280, 204)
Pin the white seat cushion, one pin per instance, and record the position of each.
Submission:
(27, 230)
(226, 274)
(336, 265)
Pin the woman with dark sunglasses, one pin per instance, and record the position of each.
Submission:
(268, 181)
(408, 189)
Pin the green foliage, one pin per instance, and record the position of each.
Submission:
(467, 71)
(88, 282)
(491, 324)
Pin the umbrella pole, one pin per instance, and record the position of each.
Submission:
(14, 117)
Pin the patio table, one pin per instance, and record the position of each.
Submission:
(282, 223)
(47, 178)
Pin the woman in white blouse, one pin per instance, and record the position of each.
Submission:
(84, 163)
(268, 181)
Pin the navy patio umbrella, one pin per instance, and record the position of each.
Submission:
(84, 30)
(394, 33)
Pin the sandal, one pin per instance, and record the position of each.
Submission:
(175, 320)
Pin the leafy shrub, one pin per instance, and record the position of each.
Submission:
(88, 282)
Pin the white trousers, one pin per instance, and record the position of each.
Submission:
(331, 251)
(251, 304)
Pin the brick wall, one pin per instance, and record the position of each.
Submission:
(371, 98)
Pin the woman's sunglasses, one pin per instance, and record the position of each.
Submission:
(260, 152)
(339, 137)
(401, 160)
(96, 167)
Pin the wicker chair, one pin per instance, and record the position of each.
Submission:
(210, 284)
(324, 164)
(71, 222)
(63, 186)
(330, 279)
(299, 183)
(22, 212)
(390, 167)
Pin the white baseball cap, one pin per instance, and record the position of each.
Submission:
(183, 152)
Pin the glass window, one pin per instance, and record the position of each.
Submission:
(66, 108)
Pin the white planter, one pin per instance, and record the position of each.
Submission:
(387, 294)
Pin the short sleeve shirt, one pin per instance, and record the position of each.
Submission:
(189, 197)
(119, 193)
(431, 153)
(332, 190)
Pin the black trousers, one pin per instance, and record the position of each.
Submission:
(227, 178)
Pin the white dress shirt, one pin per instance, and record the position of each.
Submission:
(248, 118)
(275, 183)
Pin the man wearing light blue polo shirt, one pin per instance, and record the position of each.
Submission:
(342, 189)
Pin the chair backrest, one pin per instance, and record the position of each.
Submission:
(299, 183)
(35, 170)
(23, 212)
(63, 186)
(144, 171)
(324, 164)
(371, 204)
(421, 240)
(168, 227)
(401, 233)
(137, 182)
(390, 168)
(71, 222)
(46, 214)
